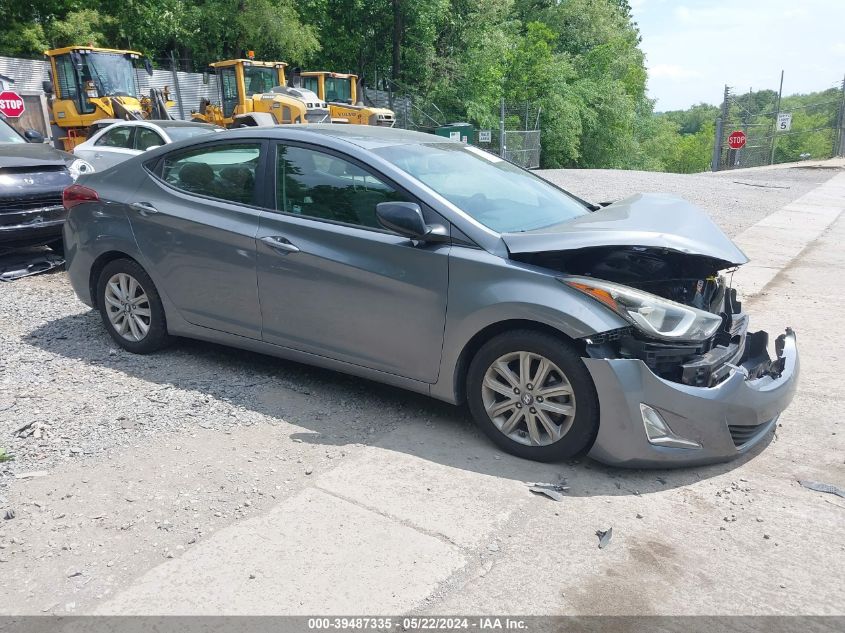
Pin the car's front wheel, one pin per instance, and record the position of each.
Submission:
(131, 307)
(531, 393)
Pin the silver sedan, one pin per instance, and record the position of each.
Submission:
(432, 265)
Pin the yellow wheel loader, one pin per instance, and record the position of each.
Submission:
(89, 84)
(255, 93)
(340, 91)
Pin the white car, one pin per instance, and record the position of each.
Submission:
(121, 141)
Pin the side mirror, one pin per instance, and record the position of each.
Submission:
(33, 136)
(406, 219)
(148, 66)
(47, 87)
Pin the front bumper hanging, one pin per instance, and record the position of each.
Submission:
(715, 423)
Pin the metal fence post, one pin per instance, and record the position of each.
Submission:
(841, 148)
(502, 128)
(775, 121)
(176, 85)
(717, 146)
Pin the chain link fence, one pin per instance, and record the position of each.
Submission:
(778, 131)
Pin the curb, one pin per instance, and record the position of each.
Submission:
(778, 239)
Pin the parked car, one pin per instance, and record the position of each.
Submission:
(432, 265)
(125, 139)
(32, 177)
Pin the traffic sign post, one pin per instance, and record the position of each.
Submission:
(11, 104)
(737, 139)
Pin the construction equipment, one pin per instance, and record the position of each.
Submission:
(89, 84)
(340, 91)
(255, 93)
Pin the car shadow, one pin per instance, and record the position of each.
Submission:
(340, 410)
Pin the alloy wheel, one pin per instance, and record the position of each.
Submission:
(128, 307)
(528, 398)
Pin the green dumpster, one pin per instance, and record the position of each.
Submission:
(457, 131)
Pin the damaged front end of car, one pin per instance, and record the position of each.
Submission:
(684, 382)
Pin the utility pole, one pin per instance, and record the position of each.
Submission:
(775, 121)
(717, 146)
(841, 147)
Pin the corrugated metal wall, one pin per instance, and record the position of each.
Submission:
(29, 73)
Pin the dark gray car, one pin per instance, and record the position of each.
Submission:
(437, 267)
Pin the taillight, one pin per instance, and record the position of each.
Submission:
(77, 194)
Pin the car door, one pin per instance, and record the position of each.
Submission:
(333, 282)
(195, 222)
(114, 146)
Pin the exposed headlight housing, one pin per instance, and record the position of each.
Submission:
(79, 167)
(655, 316)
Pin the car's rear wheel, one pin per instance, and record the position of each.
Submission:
(131, 307)
(532, 395)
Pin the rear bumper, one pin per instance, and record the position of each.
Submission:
(726, 420)
(33, 226)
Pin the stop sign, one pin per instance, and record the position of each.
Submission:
(736, 140)
(11, 104)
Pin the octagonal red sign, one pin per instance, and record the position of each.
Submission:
(737, 140)
(11, 104)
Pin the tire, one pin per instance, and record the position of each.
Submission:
(127, 329)
(563, 410)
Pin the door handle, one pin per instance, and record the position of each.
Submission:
(144, 208)
(98, 155)
(279, 243)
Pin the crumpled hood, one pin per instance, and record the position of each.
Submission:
(647, 220)
(31, 155)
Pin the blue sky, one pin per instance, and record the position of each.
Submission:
(694, 47)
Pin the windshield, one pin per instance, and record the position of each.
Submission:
(259, 79)
(338, 89)
(8, 134)
(181, 133)
(112, 73)
(499, 195)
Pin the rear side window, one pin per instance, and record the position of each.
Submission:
(146, 138)
(118, 137)
(326, 187)
(226, 172)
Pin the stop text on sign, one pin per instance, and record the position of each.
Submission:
(737, 140)
(11, 104)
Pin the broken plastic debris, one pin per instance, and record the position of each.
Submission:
(552, 491)
(604, 537)
(822, 487)
(25, 265)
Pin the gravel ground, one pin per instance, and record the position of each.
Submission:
(735, 200)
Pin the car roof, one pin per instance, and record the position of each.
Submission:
(364, 136)
(164, 123)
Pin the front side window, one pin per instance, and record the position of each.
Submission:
(8, 134)
(312, 84)
(323, 186)
(146, 138)
(68, 81)
(226, 172)
(496, 193)
(338, 90)
(120, 136)
(259, 79)
(229, 87)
